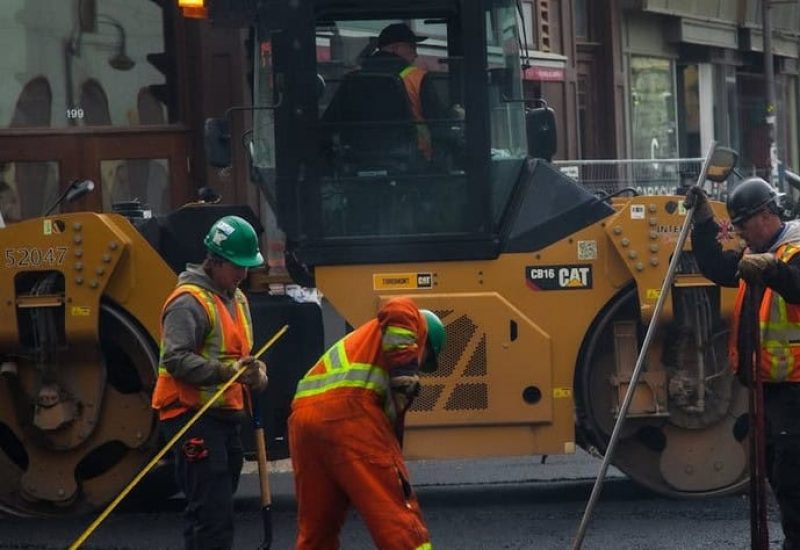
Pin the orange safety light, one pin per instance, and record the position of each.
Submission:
(194, 9)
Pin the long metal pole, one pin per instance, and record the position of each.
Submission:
(651, 329)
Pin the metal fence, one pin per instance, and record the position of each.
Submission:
(647, 176)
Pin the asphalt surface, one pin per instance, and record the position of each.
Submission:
(487, 504)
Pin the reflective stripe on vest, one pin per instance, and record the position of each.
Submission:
(339, 372)
(779, 324)
(412, 80)
(228, 340)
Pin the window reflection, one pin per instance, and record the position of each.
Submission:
(71, 56)
(9, 204)
(27, 189)
(653, 108)
(654, 121)
(505, 90)
(509, 145)
(33, 105)
(130, 180)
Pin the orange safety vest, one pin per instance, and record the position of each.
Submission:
(228, 340)
(361, 361)
(779, 327)
(412, 80)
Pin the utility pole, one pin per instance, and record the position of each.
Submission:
(769, 82)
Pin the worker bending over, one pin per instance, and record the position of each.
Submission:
(345, 429)
(207, 336)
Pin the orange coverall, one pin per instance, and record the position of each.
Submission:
(342, 440)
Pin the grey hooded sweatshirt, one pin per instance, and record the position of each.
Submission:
(186, 325)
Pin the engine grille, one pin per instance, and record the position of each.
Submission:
(453, 387)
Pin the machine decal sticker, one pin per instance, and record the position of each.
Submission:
(559, 277)
(562, 393)
(80, 311)
(668, 228)
(653, 293)
(222, 231)
(50, 227)
(587, 250)
(726, 230)
(402, 281)
(637, 211)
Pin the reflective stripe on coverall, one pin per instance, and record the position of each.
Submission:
(343, 447)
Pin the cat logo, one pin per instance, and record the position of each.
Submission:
(559, 277)
(424, 280)
(402, 281)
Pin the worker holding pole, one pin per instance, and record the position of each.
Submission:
(346, 426)
(770, 262)
(207, 338)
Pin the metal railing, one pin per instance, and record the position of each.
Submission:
(647, 176)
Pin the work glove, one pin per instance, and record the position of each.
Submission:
(226, 371)
(696, 198)
(753, 268)
(255, 374)
(405, 389)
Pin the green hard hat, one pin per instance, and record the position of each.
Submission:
(234, 239)
(436, 338)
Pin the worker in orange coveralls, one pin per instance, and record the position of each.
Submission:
(345, 429)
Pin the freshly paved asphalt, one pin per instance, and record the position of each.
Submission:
(486, 504)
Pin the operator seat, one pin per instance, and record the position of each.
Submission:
(368, 127)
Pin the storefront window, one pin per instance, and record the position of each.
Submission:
(689, 105)
(582, 20)
(754, 144)
(83, 63)
(653, 120)
(792, 142)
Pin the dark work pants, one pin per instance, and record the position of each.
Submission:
(782, 408)
(210, 482)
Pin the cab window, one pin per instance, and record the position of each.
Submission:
(391, 128)
(506, 109)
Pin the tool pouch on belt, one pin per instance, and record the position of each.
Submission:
(195, 450)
